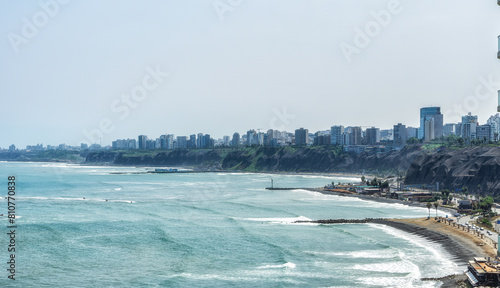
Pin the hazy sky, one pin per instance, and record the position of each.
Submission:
(71, 70)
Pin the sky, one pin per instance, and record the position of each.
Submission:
(80, 71)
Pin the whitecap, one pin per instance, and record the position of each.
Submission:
(288, 265)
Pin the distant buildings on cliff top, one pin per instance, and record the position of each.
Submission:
(352, 138)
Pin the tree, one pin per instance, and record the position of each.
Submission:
(479, 189)
(429, 205)
(436, 205)
(385, 184)
(363, 179)
(486, 205)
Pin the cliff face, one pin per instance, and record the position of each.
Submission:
(286, 159)
(178, 157)
(319, 159)
(454, 169)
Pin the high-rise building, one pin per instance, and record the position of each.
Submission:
(372, 135)
(427, 113)
(150, 144)
(119, 144)
(142, 141)
(170, 141)
(469, 125)
(12, 148)
(355, 135)
(207, 141)
(182, 142)
(322, 138)
(386, 135)
(458, 129)
(429, 128)
(236, 139)
(225, 140)
(192, 141)
(449, 129)
(494, 122)
(336, 135)
(200, 141)
(400, 135)
(163, 142)
(411, 132)
(301, 136)
(132, 144)
(252, 138)
(483, 132)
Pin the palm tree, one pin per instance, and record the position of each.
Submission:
(436, 205)
(429, 205)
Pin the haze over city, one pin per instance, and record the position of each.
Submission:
(218, 67)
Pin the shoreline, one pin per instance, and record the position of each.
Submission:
(460, 245)
(106, 164)
(382, 200)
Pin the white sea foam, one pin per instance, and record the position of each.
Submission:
(243, 277)
(288, 265)
(376, 254)
(403, 266)
(283, 220)
(75, 199)
(440, 256)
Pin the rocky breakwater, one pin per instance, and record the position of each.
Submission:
(338, 221)
(478, 168)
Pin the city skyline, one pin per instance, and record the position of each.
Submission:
(466, 128)
(190, 66)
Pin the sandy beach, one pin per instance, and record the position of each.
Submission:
(460, 244)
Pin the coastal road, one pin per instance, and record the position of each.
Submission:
(467, 219)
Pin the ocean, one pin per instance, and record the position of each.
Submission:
(81, 226)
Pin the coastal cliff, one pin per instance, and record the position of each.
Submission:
(268, 159)
(319, 159)
(477, 168)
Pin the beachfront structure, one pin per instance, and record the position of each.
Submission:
(482, 272)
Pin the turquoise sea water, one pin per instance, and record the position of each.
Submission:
(203, 230)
